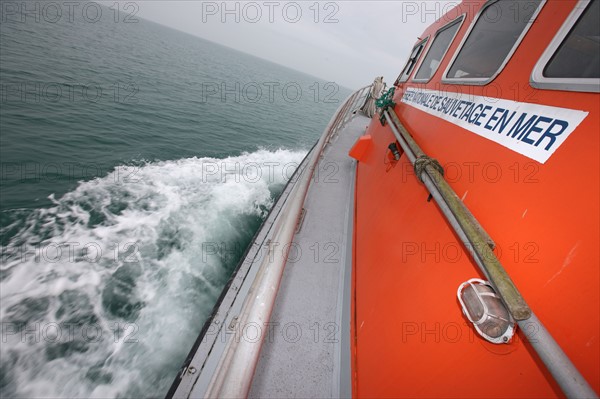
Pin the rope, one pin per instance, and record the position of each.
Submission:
(368, 107)
(422, 162)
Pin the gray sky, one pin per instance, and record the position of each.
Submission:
(349, 42)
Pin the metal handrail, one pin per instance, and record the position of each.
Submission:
(479, 243)
(476, 241)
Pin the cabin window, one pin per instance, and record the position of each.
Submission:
(412, 61)
(493, 38)
(572, 61)
(437, 50)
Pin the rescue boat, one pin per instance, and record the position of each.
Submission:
(441, 239)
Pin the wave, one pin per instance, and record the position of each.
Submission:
(104, 292)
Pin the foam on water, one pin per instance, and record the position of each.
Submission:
(103, 293)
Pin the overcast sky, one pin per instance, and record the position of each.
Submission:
(348, 42)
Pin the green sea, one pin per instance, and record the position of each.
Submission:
(136, 164)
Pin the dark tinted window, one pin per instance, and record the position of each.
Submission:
(436, 52)
(579, 54)
(412, 61)
(490, 42)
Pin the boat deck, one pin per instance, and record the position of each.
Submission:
(308, 352)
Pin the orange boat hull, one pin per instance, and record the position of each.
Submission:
(410, 336)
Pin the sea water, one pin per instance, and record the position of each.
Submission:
(137, 162)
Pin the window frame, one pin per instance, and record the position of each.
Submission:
(539, 81)
(485, 81)
(459, 20)
(422, 42)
